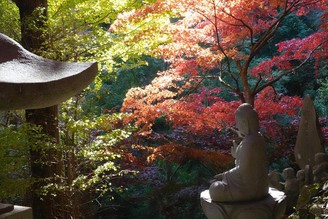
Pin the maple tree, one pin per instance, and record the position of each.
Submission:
(225, 37)
(222, 41)
(200, 113)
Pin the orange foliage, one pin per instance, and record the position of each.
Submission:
(274, 105)
(211, 35)
(202, 20)
(145, 156)
(180, 154)
(315, 45)
(202, 112)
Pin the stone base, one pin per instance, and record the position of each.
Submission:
(272, 207)
(19, 212)
(4, 208)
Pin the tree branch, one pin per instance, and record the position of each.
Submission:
(269, 83)
(257, 84)
(236, 90)
(215, 24)
(243, 24)
(272, 29)
(267, 35)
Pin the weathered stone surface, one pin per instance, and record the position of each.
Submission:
(271, 207)
(320, 169)
(274, 181)
(243, 192)
(18, 212)
(292, 188)
(4, 208)
(308, 141)
(28, 81)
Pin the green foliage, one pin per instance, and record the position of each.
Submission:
(311, 202)
(77, 30)
(92, 142)
(14, 157)
(172, 190)
(113, 87)
(292, 27)
(87, 158)
(141, 36)
(9, 17)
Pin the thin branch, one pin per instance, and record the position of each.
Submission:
(267, 35)
(216, 17)
(204, 15)
(170, 178)
(243, 24)
(229, 72)
(285, 5)
(236, 90)
(274, 90)
(215, 24)
(235, 80)
(272, 29)
(269, 83)
(227, 85)
(239, 66)
(230, 24)
(217, 36)
(257, 84)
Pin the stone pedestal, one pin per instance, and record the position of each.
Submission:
(19, 212)
(271, 207)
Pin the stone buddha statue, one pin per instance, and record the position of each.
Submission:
(248, 180)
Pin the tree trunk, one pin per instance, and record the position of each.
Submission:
(33, 15)
(250, 99)
(248, 96)
(46, 118)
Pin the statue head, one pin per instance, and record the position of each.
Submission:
(247, 120)
(320, 157)
(288, 173)
(300, 175)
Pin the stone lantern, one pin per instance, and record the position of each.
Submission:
(28, 81)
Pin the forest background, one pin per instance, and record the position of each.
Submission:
(146, 137)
